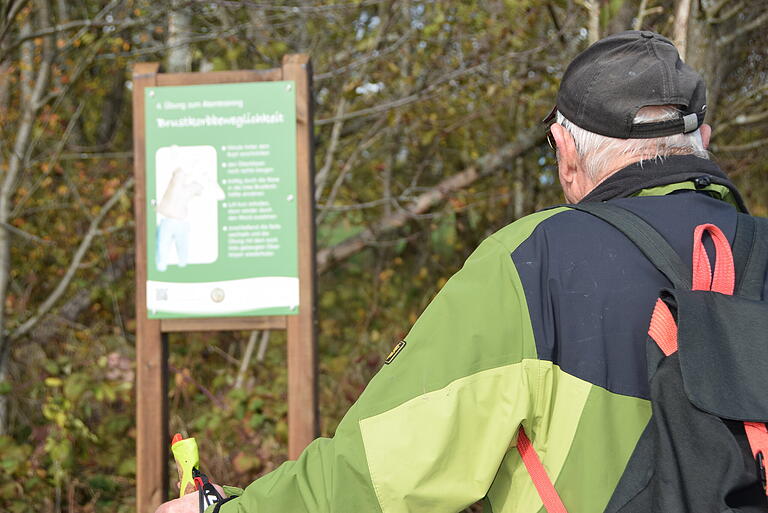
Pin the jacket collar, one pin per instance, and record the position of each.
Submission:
(676, 169)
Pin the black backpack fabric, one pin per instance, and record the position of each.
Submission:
(694, 455)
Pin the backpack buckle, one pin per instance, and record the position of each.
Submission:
(761, 468)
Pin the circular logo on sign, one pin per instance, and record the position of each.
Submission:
(217, 295)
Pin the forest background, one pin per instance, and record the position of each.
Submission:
(428, 139)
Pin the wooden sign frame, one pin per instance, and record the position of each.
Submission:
(152, 439)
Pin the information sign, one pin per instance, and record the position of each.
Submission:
(221, 200)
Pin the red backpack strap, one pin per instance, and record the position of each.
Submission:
(538, 473)
(757, 434)
(724, 278)
(663, 329)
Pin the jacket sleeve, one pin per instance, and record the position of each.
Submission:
(430, 430)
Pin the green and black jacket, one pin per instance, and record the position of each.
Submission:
(545, 327)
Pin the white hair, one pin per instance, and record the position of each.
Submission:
(599, 153)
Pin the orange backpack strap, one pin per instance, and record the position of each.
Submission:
(757, 434)
(538, 473)
(663, 329)
(749, 252)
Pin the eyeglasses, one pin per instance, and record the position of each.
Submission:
(551, 139)
(549, 121)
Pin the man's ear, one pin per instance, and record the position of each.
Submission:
(567, 156)
(706, 132)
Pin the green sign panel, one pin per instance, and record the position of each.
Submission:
(221, 200)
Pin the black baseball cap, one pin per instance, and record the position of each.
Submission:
(606, 84)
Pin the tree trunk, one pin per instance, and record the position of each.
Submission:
(593, 10)
(34, 81)
(680, 37)
(6, 196)
(179, 27)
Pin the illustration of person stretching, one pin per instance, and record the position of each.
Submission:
(173, 213)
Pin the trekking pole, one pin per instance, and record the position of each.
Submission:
(191, 478)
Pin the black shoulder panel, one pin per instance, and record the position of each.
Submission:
(590, 291)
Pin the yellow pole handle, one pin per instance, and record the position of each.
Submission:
(185, 453)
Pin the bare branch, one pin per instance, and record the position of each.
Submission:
(245, 362)
(71, 25)
(743, 147)
(749, 119)
(680, 37)
(556, 23)
(59, 94)
(77, 303)
(732, 11)
(20, 146)
(159, 49)
(347, 167)
(74, 76)
(52, 159)
(26, 235)
(376, 54)
(9, 17)
(712, 10)
(85, 244)
(744, 119)
(485, 166)
(41, 82)
(263, 346)
(427, 90)
(382, 107)
(743, 29)
(187, 377)
(5, 89)
(91, 156)
(322, 175)
(219, 351)
(418, 95)
(27, 62)
(641, 12)
(294, 8)
(361, 206)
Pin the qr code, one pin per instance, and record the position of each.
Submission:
(162, 294)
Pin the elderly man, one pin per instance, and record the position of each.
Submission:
(542, 332)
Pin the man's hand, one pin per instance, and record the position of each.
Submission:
(190, 503)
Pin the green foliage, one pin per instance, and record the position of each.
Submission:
(407, 94)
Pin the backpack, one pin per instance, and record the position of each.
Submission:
(705, 447)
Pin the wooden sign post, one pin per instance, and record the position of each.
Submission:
(152, 438)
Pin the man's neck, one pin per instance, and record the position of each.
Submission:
(637, 176)
(617, 166)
